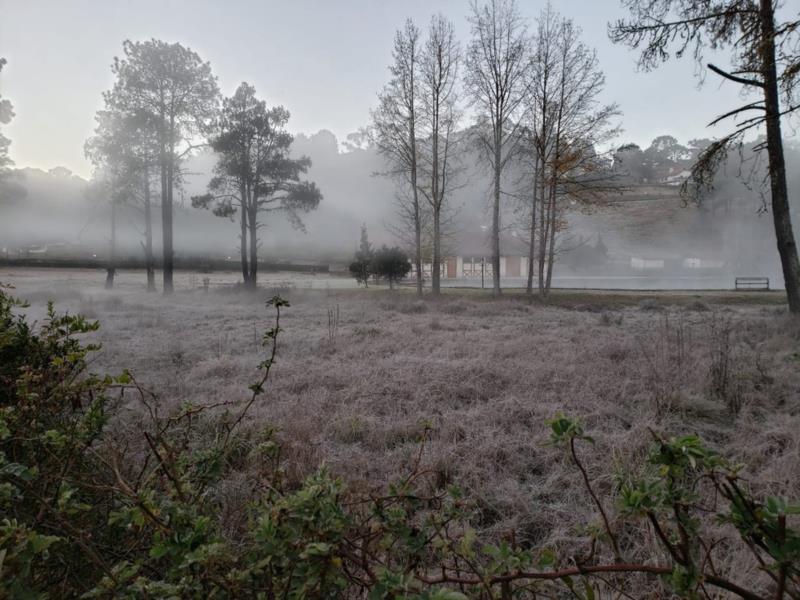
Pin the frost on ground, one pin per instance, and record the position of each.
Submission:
(356, 388)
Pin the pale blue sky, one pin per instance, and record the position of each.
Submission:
(323, 59)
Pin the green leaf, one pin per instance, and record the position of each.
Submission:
(158, 551)
(17, 470)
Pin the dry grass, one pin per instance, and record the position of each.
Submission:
(483, 376)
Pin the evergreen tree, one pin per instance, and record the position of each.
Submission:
(361, 267)
(391, 264)
(254, 171)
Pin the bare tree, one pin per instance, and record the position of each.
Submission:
(394, 128)
(541, 77)
(177, 91)
(439, 113)
(496, 60)
(567, 123)
(765, 59)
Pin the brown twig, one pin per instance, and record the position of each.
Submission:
(588, 484)
(588, 570)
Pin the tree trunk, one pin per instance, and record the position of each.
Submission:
(417, 216)
(784, 234)
(496, 212)
(544, 209)
(166, 218)
(415, 192)
(253, 224)
(541, 151)
(417, 237)
(112, 254)
(437, 258)
(554, 180)
(532, 245)
(552, 242)
(436, 267)
(149, 261)
(551, 229)
(243, 236)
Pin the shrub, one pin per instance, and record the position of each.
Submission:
(391, 264)
(361, 270)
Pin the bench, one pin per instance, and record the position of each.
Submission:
(752, 283)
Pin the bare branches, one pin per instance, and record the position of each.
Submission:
(439, 116)
(656, 25)
(597, 503)
(496, 63)
(395, 126)
(565, 124)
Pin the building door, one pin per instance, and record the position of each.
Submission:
(451, 267)
(512, 266)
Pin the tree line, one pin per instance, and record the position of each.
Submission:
(537, 114)
(534, 96)
(164, 104)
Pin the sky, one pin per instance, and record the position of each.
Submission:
(324, 60)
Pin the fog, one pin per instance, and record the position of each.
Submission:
(730, 231)
(57, 208)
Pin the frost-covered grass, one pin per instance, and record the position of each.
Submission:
(480, 375)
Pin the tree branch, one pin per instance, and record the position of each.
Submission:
(742, 80)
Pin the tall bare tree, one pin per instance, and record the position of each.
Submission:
(541, 79)
(178, 93)
(439, 114)
(765, 60)
(569, 123)
(496, 60)
(394, 129)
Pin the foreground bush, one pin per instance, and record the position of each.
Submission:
(94, 507)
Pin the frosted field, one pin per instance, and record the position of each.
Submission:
(482, 374)
(186, 280)
(131, 281)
